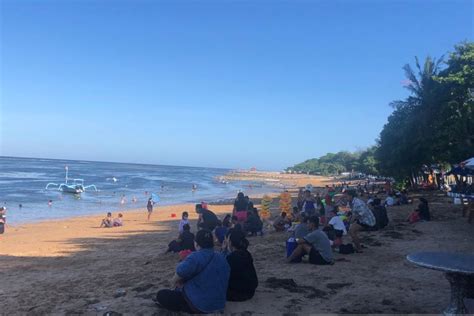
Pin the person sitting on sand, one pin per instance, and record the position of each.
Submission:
(316, 244)
(403, 199)
(184, 221)
(335, 229)
(301, 229)
(185, 241)
(107, 222)
(424, 210)
(207, 219)
(253, 224)
(380, 213)
(362, 218)
(281, 222)
(243, 279)
(221, 231)
(389, 201)
(201, 280)
(295, 213)
(118, 221)
(234, 225)
(227, 221)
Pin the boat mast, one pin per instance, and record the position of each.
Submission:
(67, 169)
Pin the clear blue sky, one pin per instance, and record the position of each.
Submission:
(210, 83)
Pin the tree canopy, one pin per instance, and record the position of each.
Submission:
(336, 163)
(433, 125)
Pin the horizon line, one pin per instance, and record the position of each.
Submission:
(117, 162)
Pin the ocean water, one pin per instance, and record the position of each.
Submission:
(23, 181)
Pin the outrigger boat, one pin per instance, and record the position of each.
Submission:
(77, 186)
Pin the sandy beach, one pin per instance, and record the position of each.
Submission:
(280, 179)
(74, 267)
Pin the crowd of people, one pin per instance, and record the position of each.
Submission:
(215, 265)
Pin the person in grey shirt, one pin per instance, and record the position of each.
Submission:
(301, 229)
(316, 244)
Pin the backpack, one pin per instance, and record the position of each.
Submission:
(346, 249)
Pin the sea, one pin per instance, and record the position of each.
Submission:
(120, 187)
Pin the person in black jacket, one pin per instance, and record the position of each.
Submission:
(254, 224)
(380, 213)
(424, 210)
(207, 219)
(243, 278)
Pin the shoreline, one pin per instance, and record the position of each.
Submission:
(285, 182)
(19, 238)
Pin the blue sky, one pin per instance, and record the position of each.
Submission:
(210, 83)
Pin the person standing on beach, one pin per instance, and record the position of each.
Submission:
(241, 206)
(149, 207)
(3, 219)
(308, 204)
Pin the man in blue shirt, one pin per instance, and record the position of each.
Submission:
(201, 280)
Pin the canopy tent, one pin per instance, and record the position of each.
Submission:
(469, 164)
(460, 171)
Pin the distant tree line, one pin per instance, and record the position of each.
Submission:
(344, 161)
(433, 125)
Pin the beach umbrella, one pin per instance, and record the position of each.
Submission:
(155, 198)
(460, 171)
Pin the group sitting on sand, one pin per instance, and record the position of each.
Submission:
(205, 279)
(108, 221)
(215, 265)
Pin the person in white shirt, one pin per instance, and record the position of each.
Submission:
(337, 223)
(389, 201)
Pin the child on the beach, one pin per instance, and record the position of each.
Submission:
(221, 231)
(281, 223)
(184, 221)
(107, 222)
(185, 241)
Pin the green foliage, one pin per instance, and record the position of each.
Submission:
(434, 125)
(344, 161)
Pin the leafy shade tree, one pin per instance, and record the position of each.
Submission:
(455, 132)
(405, 140)
(434, 124)
(367, 163)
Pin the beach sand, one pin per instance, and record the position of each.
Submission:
(73, 267)
(280, 179)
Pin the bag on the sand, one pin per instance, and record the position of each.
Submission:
(346, 249)
(2, 228)
(291, 245)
